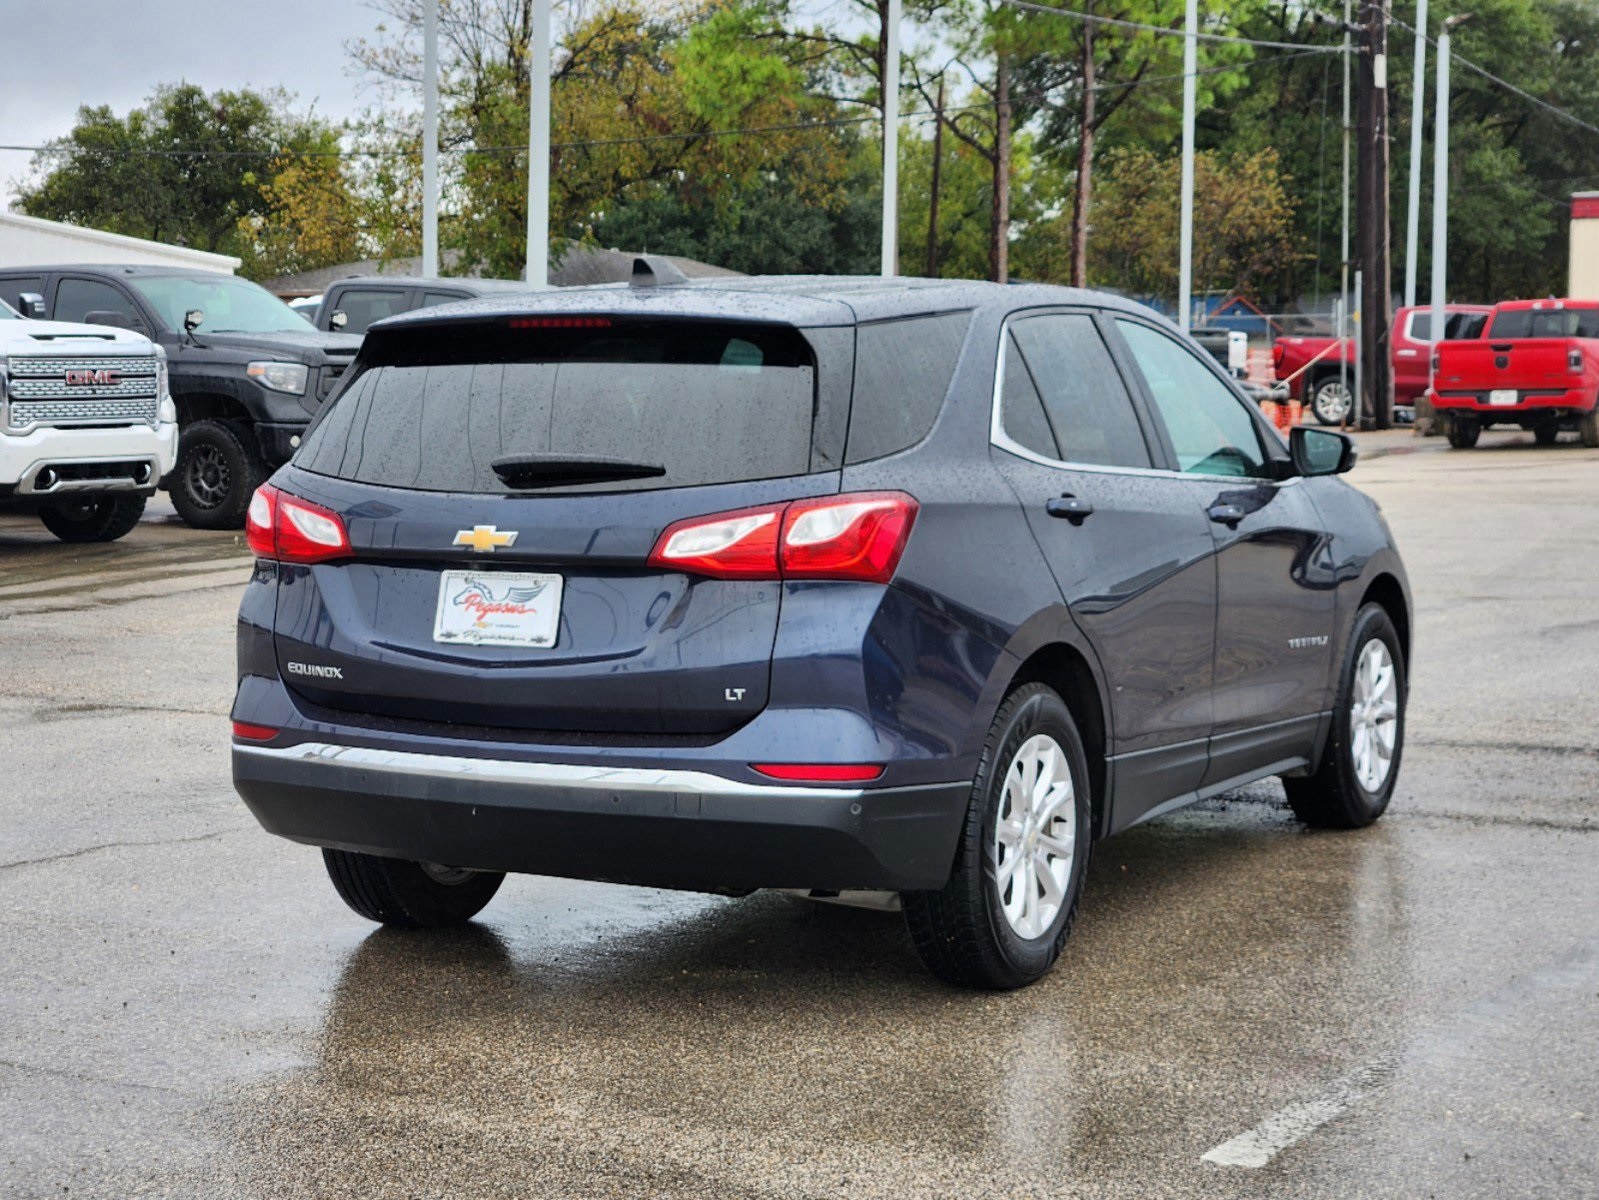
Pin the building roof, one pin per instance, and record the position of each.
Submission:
(576, 266)
(33, 241)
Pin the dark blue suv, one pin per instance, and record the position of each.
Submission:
(835, 584)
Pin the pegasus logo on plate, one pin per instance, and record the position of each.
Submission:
(484, 538)
(481, 597)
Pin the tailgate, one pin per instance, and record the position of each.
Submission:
(1523, 364)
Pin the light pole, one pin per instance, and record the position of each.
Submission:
(538, 150)
(891, 142)
(1418, 83)
(430, 138)
(1185, 236)
(1440, 191)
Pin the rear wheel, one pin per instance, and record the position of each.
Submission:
(219, 468)
(1002, 918)
(93, 518)
(1588, 428)
(407, 894)
(1463, 431)
(1355, 780)
(1331, 400)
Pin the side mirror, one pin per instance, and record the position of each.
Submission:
(193, 319)
(31, 304)
(110, 316)
(338, 319)
(1321, 451)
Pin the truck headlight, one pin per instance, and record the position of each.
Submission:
(280, 376)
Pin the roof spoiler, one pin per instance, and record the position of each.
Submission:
(651, 270)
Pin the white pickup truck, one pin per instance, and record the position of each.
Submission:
(87, 425)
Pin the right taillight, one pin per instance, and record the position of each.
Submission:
(1574, 361)
(286, 528)
(858, 536)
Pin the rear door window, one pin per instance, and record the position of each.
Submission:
(903, 370)
(708, 402)
(1089, 410)
(362, 306)
(77, 298)
(431, 298)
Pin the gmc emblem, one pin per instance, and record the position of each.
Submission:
(93, 378)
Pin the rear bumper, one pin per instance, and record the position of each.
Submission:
(1563, 403)
(641, 825)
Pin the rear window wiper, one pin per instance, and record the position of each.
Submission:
(553, 470)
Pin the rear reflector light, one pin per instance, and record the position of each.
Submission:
(858, 536)
(253, 733)
(285, 528)
(560, 322)
(820, 772)
(1574, 361)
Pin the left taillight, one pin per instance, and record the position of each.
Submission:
(859, 536)
(285, 528)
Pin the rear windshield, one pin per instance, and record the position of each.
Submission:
(1458, 326)
(1546, 323)
(707, 402)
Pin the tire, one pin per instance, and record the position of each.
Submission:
(1546, 434)
(963, 932)
(1463, 432)
(93, 518)
(1588, 429)
(1340, 795)
(409, 895)
(1331, 400)
(219, 468)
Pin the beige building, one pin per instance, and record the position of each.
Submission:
(1582, 281)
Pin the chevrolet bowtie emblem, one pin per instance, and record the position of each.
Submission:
(484, 537)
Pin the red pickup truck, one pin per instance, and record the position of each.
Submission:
(1324, 378)
(1537, 367)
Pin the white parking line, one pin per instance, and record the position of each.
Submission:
(1258, 1146)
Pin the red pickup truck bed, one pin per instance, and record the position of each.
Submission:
(1537, 368)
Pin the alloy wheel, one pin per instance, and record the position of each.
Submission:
(1374, 715)
(1035, 836)
(206, 476)
(1333, 402)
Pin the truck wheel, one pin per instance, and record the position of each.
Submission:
(1331, 401)
(1002, 918)
(219, 468)
(1546, 434)
(93, 518)
(1463, 432)
(411, 895)
(1355, 780)
(1588, 429)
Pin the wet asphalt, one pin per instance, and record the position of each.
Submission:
(186, 1009)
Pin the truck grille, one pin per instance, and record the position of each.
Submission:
(48, 390)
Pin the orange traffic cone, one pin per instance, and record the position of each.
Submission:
(1268, 409)
(1282, 421)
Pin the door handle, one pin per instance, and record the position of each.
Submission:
(1074, 508)
(1226, 514)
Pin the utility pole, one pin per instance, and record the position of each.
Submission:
(1343, 244)
(938, 171)
(1372, 217)
(1440, 190)
(891, 140)
(538, 149)
(430, 138)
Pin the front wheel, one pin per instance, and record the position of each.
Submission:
(93, 518)
(1331, 401)
(1463, 432)
(1355, 780)
(406, 894)
(1002, 918)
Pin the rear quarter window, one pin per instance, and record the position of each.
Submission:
(709, 402)
(903, 370)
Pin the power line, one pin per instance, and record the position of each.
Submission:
(1164, 30)
(1552, 109)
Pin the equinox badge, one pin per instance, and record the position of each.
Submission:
(484, 537)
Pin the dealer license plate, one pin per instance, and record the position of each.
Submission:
(498, 608)
(1503, 397)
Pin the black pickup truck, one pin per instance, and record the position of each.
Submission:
(248, 373)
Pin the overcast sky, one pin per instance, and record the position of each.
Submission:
(63, 53)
